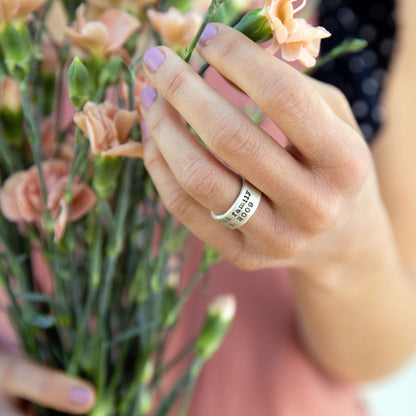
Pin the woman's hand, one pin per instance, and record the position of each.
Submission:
(23, 379)
(320, 211)
(319, 194)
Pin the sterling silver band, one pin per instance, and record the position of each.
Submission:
(243, 208)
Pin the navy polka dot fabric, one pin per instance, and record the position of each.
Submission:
(360, 76)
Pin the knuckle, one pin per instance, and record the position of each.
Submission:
(292, 245)
(286, 96)
(156, 124)
(177, 83)
(177, 203)
(198, 177)
(228, 49)
(244, 259)
(152, 160)
(320, 211)
(232, 137)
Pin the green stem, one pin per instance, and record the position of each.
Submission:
(79, 156)
(212, 9)
(35, 145)
(348, 46)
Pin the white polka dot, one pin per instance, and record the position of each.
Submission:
(360, 108)
(347, 18)
(356, 64)
(370, 58)
(368, 32)
(367, 130)
(370, 86)
(378, 74)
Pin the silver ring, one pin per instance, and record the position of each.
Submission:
(243, 208)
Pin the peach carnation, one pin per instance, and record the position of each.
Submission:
(107, 128)
(104, 36)
(17, 9)
(176, 29)
(298, 39)
(21, 198)
(304, 44)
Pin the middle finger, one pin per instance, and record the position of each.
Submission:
(225, 129)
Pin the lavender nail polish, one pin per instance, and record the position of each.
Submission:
(153, 58)
(80, 396)
(145, 131)
(209, 32)
(147, 97)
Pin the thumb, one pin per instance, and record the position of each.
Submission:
(21, 378)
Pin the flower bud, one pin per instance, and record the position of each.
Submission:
(11, 114)
(16, 44)
(255, 25)
(170, 309)
(147, 372)
(219, 317)
(78, 83)
(146, 400)
(107, 170)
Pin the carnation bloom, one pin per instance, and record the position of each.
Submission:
(17, 9)
(280, 14)
(304, 44)
(176, 29)
(104, 36)
(298, 39)
(21, 197)
(107, 128)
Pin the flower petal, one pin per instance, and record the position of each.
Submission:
(123, 122)
(128, 149)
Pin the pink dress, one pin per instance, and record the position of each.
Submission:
(261, 368)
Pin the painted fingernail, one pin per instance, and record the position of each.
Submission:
(147, 97)
(145, 131)
(153, 58)
(209, 32)
(80, 396)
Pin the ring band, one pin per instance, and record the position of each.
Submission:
(243, 208)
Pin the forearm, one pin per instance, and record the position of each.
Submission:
(364, 325)
(394, 150)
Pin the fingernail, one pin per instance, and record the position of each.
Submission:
(80, 396)
(209, 32)
(145, 131)
(147, 97)
(153, 58)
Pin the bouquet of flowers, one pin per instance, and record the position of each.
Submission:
(89, 258)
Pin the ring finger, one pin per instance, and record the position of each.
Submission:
(199, 173)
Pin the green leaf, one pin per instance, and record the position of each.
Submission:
(42, 321)
(34, 297)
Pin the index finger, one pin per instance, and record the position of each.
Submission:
(283, 93)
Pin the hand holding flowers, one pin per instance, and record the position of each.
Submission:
(104, 238)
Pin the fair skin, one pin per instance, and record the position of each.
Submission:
(342, 219)
(321, 215)
(22, 379)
